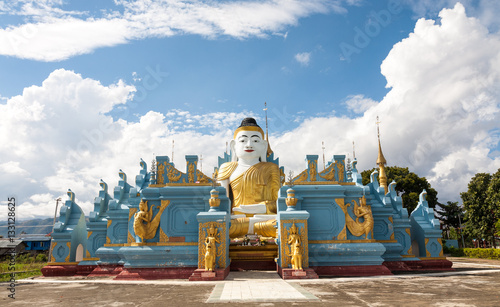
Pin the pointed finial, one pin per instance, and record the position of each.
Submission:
(173, 150)
(378, 130)
(380, 158)
(323, 147)
(353, 151)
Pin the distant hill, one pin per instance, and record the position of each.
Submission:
(37, 226)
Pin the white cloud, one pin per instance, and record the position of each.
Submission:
(12, 168)
(59, 124)
(59, 34)
(359, 103)
(440, 118)
(484, 10)
(303, 58)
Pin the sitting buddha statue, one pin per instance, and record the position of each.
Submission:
(252, 184)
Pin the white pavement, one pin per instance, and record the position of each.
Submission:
(258, 287)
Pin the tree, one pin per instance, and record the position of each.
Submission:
(408, 185)
(449, 214)
(480, 205)
(493, 198)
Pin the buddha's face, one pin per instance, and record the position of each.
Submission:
(249, 145)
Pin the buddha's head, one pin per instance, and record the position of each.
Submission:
(248, 142)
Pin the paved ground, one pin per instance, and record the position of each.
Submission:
(474, 283)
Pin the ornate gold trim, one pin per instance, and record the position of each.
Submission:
(68, 244)
(284, 248)
(221, 249)
(409, 251)
(441, 253)
(89, 234)
(52, 258)
(152, 244)
(176, 243)
(342, 241)
(321, 183)
(312, 170)
(391, 219)
(130, 238)
(328, 173)
(91, 259)
(427, 253)
(108, 241)
(163, 236)
(182, 185)
(343, 233)
(131, 213)
(387, 241)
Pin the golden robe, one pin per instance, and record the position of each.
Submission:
(259, 184)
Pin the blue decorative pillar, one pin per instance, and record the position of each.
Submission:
(69, 240)
(213, 224)
(426, 237)
(96, 226)
(117, 224)
(293, 241)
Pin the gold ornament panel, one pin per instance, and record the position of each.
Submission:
(221, 248)
(68, 244)
(285, 252)
(194, 176)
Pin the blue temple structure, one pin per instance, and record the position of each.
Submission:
(327, 224)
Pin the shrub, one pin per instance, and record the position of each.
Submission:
(485, 253)
(454, 252)
(25, 258)
(41, 258)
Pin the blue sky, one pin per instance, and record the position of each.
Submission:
(231, 74)
(89, 87)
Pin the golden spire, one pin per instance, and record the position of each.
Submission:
(381, 162)
(380, 158)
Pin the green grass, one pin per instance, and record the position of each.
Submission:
(25, 267)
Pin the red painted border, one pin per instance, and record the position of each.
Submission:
(352, 270)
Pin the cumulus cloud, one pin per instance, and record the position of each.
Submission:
(59, 135)
(58, 34)
(55, 125)
(359, 103)
(440, 119)
(303, 58)
(484, 10)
